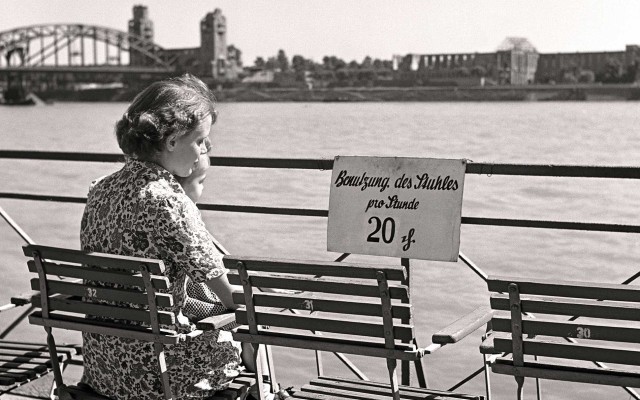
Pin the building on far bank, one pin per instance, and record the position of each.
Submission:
(213, 59)
(513, 63)
(556, 67)
(517, 62)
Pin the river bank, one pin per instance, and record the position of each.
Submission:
(593, 92)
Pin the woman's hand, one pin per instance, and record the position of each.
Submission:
(224, 290)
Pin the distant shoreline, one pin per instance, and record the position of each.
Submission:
(594, 92)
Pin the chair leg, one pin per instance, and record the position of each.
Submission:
(271, 368)
(520, 382)
(259, 370)
(487, 379)
(51, 343)
(420, 374)
(52, 392)
(538, 385)
(405, 372)
(393, 378)
(164, 374)
(319, 366)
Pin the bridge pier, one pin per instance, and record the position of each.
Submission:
(20, 51)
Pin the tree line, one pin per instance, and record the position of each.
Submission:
(333, 71)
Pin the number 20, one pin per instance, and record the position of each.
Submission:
(382, 224)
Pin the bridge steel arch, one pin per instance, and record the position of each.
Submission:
(38, 45)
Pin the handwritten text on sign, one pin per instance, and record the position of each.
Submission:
(398, 207)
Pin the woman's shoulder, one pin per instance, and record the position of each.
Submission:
(95, 182)
(160, 190)
(166, 197)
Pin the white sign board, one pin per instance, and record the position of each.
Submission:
(398, 207)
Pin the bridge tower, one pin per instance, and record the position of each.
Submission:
(141, 26)
(213, 45)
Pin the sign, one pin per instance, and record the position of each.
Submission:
(398, 207)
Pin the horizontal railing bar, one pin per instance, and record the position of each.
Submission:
(43, 197)
(285, 163)
(61, 156)
(576, 171)
(576, 226)
(289, 163)
(308, 212)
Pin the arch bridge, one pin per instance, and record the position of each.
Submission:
(80, 48)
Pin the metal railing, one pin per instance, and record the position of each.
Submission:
(490, 169)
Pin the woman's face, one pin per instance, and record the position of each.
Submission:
(182, 153)
(194, 186)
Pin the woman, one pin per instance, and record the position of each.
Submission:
(142, 210)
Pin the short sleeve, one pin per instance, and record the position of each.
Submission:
(95, 182)
(184, 240)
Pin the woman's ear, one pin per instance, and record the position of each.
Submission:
(170, 144)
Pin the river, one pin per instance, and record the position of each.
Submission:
(580, 133)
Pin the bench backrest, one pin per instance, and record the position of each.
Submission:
(105, 294)
(100, 293)
(590, 314)
(349, 308)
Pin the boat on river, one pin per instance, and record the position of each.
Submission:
(17, 97)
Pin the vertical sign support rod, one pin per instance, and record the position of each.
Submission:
(405, 371)
(405, 367)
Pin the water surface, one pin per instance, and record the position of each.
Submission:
(581, 133)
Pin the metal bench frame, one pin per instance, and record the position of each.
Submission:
(60, 305)
(322, 294)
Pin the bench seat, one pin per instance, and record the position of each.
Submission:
(335, 388)
(22, 362)
(563, 372)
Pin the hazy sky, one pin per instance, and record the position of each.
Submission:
(352, 29)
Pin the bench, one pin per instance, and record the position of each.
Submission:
(336, 307)
(548, 318)
(65, 301)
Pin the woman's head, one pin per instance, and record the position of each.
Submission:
(168, 122)
(193, 184)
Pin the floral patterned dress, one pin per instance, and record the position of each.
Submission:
(142, 210)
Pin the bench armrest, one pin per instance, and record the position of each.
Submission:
(216, 321)
(463, 327)
(24, 298)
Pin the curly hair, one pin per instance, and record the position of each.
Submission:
(167, 107)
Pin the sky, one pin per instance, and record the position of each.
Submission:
(353, 29)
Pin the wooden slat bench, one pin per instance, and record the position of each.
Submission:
(341, 307)
(23, 362)
(588, 324)
(73, 305)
